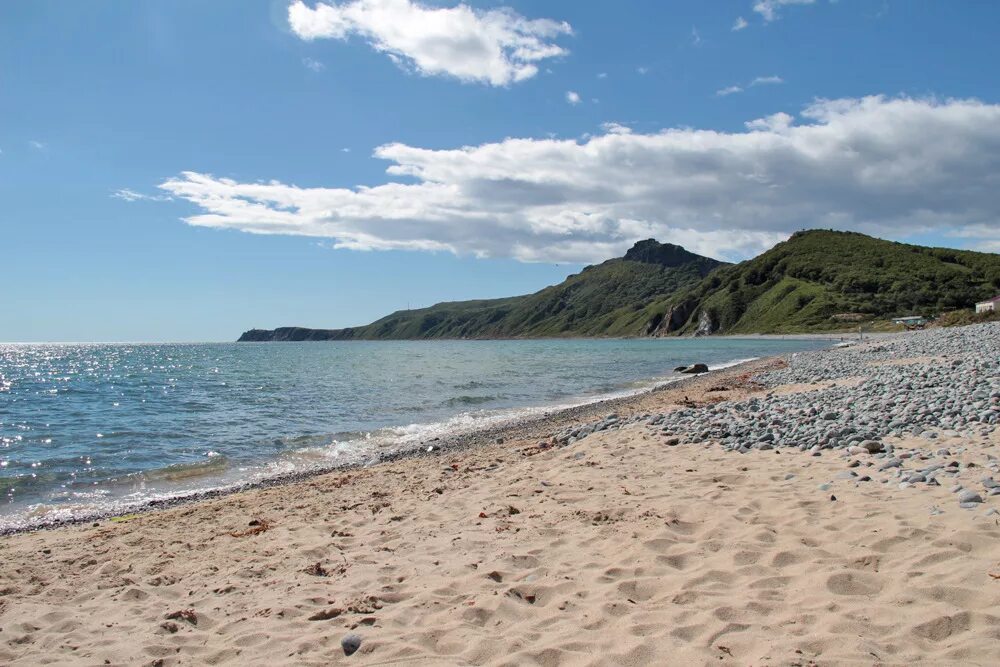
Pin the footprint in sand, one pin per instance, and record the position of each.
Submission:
(853, 583)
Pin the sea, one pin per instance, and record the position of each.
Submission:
(87, 429)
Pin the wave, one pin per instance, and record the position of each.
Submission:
(470, 400)
(178, 472)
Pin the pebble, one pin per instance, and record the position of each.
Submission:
(920, 400)
(350, 643)
(969, 496)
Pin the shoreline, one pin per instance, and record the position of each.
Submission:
(838, 509)
(532, 426)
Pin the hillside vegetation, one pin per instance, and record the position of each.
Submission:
(821, 280)
(815, 281)
(603, 300)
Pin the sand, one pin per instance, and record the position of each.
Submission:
(614, 551)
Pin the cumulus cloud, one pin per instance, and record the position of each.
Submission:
(572, 97)
(495, 47)
(889, 166)
(769, 8)
(615, 128)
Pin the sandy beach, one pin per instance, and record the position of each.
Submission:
(636, 544)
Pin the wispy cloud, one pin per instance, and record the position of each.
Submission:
(572, 97)
(496, 47)
(758, 81)
(695, 36)
(125, 194)
(642, 70)
(314, 65)
(602, 75)
(769, 9)
(739, 24)
(37, 145)
(725, 193)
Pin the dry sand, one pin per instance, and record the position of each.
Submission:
(615, 551)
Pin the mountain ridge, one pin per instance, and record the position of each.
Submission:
(600, 300)
(817, 280)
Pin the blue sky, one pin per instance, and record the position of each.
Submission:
(186, 170)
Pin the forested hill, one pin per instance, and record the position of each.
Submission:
(607, 299)
(822, 279)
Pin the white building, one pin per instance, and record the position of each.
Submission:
(989, 305)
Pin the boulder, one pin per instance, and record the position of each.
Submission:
(695, 368)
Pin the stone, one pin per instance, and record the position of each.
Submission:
(350, 643)
(969, 496)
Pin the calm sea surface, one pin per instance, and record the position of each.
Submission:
(87, 427)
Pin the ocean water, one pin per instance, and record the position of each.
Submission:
(87, 427)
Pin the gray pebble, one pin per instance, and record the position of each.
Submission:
(969, 496)
(350, 643)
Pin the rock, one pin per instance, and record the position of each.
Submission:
(871, 446)
(969, 496)
(695, 368)
(350, 643)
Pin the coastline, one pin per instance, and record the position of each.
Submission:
(526, 427)
(840, 509)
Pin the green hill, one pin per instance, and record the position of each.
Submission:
(607, 299)
(816, 280)
(824, 280)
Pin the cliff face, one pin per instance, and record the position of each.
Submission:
(603, 300)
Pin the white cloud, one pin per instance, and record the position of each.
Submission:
(766, 80)
(572, 97)
(37, 145)
(759, 81)
(602, 75)
(739, 24)
(642, 70)
(126, 194)
(894, 167)
(695, 36)
(615, 128)
(769, 8)
(728, 90)
(497, 47)
(775, 123)
(314, 65)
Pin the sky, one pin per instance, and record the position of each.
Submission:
(187, 170)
